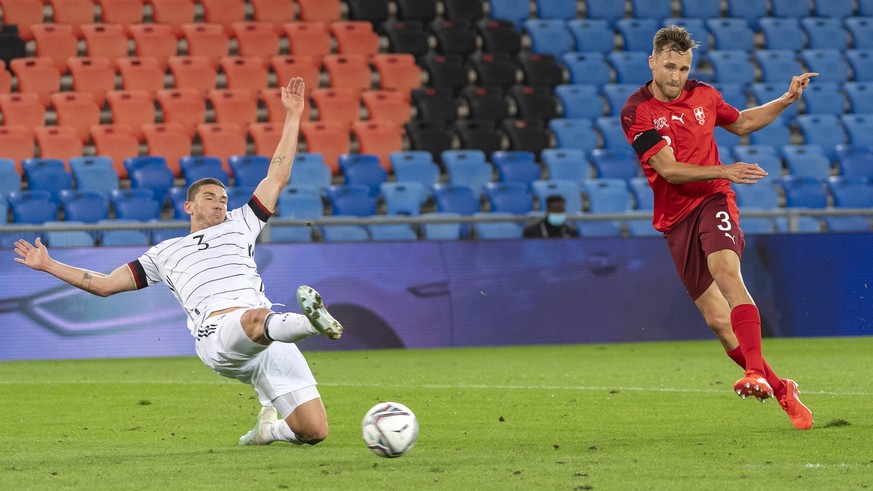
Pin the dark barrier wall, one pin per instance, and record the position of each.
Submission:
(466, 293)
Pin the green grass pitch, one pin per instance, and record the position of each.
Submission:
(626, 416)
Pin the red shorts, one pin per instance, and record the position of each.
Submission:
(711, 226)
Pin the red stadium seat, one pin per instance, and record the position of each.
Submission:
(276, 12)
(192, 72)
(238, 107)
(58, 142)
(308, 39)
(286, 67)
(17, 144)
(245, 73)
(329, 138)
(186, 107)
(387, 104)
(169, 140)
(398, 72)
(209, 40)
(355, 37)
(116, 142)
(224, 12)
(174, 13)
(266, 137)
(222, 141)
(105, 40)
(340, 104)
(57, 41)
(133, 108)
(319, 10)
(73, 12)
(122, 12)
(37, 75)
(23, 13)
(141, 74)
(350, 71)
(78, 110)
(258, 39)
(154, 41)
(379, 138)
(94, 75)
(22, 109)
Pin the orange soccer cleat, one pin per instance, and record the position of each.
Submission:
(753, 384)
(800, 415)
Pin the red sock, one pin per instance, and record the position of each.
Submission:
(775, 382)
(746, 323)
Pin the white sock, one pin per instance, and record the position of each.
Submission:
(288, 327)
(283, 433)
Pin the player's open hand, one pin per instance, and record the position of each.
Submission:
(33, 256)
(292, 96)
(743, 173)
(798, 83)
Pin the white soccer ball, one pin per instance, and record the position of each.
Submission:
(389, 429)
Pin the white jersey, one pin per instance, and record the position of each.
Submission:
(211, 269)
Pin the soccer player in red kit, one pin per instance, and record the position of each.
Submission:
(670, 123)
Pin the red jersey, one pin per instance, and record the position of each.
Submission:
(686, 125)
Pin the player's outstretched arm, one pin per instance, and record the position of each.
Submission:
(676, 172)
(36, 256)
(755, 118)
(279, 171)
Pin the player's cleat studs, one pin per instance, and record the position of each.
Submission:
(313, 308)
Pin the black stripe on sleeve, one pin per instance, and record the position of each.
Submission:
(139, 275)
(645, 141)
(260, 210)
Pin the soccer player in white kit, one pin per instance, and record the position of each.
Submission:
(212, 273)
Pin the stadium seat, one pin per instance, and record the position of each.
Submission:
(822, 129)
(456, 198)
(56, 41)
(94, 174)
(22, 109)
(24, 14)
(416, 166)
(617, 95)
(825, 33)
(468, 168)
(496, 230)
(855, 161)
(406, 36)
(122, 237)
(276, 12)
(308, 39)
(134, 108)
(48, 175)
(549, 36)
(494, 69)
(343, 233)
(341, 104)
(834, 8)
(168, 140)
(637, 33)
(438, 103)
(245, 73)
(750, 10)
(152, 173)
(860, 96)
(569, 190)
(297, 204)
(364, 170)
(861, 30)
(733, 94)
(58, 142)
(135, 204)
(829, 63)
(105, 40)
(72, 12)
(386, 105)
(850, 192)
(731, 34)
(37, 75)
(514, 198)
(556, 9)
(380, 138)
(249, 170)
(540, 70)
(222, 140)
(372, 11)
(234, 106)
(763, 93)
(859, 128)
(515, 11)
(605, 196)
(94, 75)
(319, 10)
(587, 68)
(499, 36)
(17, 143)
(732, 66)
(643, 195)
(824, 98)
(141, 74)
(349, 71)
(483, 103)
(479, 135)
(355, 38)
(567, 164)
(122, 12)
(186, 107)
(198, 167)
(514, 166)
(865, 8)
(529, 136)
(609, 11)
(31, 207)
(224, 13)
(431, 136)
(310, 171)
(10, 180)
(574, 134)
(206, 40)
(764, 196)
(631, 67)
(329, 138)
(445, 71)
(304, 66)
(351, 200)
(403, 197)
(615, 163)
(534, 103)
(778, 66)
(272, 99)
(84, 206)
(265, 137)
(441, 230)
(579, 101)
(78, 110)
(392, 232)
(612, 133)
(804, 192)
(454, 37)
(193, 72)
(117, 142)
(154, 41)
(656, 9)
(782, 33)
(397, 72)
(592, 35)
(765, 156)
(861, 61)
(416, 10)
(725, 139)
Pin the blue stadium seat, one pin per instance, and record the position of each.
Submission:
(756, 225)
(695, 26)
(28, 207)
(82, 205)
(825, 33)
(549, 36)
(580, 101)
(450, 157)
(789, 8)
(67, 238)
(651, 9)
(569, 190)
(855, 161)
(135, 204)
(567, 164)
(850, 192)
(456, 198)
(700, 9)
(587, 68)
(725, 139)
(468, 168)
(133, 163)
(776, 134)
(442, 230)
(154, 174)
(637, 33)
(859, 128)
(732, 67)
(592, 35)
(763, 93)
(782, 33)
(750, 10)
(833, 8)
(764, 155)
(617, 94)
(829, 63)
(631, 67)
(299, 204)
(403, 198)
(822, 129)
(824, 98)
(731, 34)
(94, 174)
(615, 163)
(516, 166)
(392, 232)
(249, 170)
(861, 61)
(516, 11)
(364, 169)
(239, 196)
(509, 197)
(605, 196)
(343, 233)
(311, 171)
(804, 192)
(808, 165)
(643, 195)
(556, 9)
(47, 174)
(120, 238)
(778, 66)
(865, 8)
(860, 95)
(733, 94)
(426, 173)
(574, 133)
(861, 29)
(351, 200)
(789, 151)
(178, 196)
(195, 167)
(613, 134)
(804, 225)
(609, 10)
(497, 230)
(9, 179)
